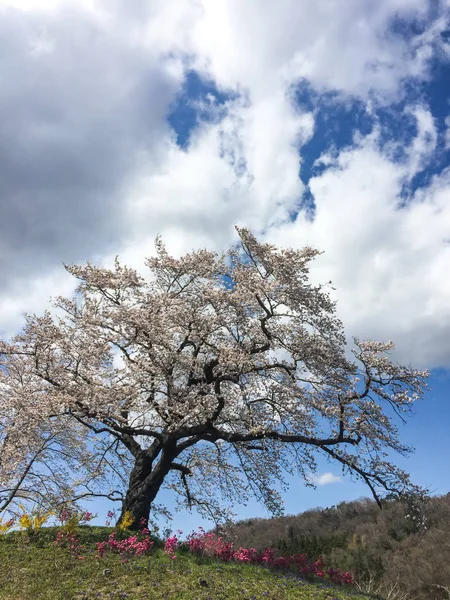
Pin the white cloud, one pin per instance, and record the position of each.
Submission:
(447, 133)
(387, 259)
(109, 176)
(243, 169)
(82, 101)
(32, 296)
(324, 479)
(334, 45)
(422, 149)
(31, 4)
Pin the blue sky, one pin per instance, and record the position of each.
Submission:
(124, 121)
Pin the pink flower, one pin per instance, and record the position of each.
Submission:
(171, 546)
(131, 546)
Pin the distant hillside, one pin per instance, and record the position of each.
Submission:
(407, 557)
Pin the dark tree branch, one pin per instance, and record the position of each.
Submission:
(13, 491)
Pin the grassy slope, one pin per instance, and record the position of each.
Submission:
(35, 569)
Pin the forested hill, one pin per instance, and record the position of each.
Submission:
(400, 545)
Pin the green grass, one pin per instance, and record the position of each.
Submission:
(33, 568)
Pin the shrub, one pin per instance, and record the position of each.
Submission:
(209, 544)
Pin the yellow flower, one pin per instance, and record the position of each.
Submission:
(33, 522)
(25, 522)
(126, 521)
(39, 520)
(72, 523)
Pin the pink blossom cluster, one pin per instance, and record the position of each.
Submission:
(336, 576)
(171, 546)
(208, 544)
(66, 539)
(86, 517)
(143, 526)
(204, 544)
(135, 545)
(8, 524)
(66, 514)
(110, 515)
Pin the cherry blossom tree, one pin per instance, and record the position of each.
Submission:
(51, 462)
(214, 376)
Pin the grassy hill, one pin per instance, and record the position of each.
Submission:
(392, 553)
(32, 568)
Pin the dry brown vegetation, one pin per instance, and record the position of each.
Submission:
(389, 553)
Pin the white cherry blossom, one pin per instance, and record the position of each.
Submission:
(233, 369)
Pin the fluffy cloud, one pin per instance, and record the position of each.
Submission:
(82, 101)
(90, 167)
(325, 479)
(386, 256)
(348, 46)
(244, 168)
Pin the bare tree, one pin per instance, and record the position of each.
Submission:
(215, 376)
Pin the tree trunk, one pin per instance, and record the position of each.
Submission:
(137, 504)
(144, 484)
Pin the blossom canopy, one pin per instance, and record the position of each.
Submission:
(213, 376)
